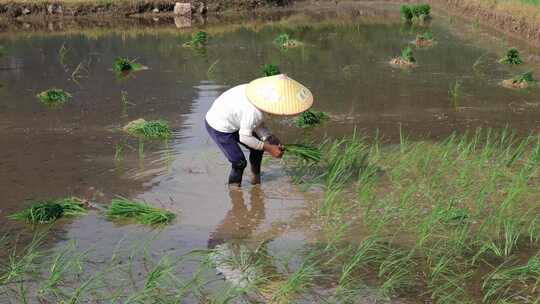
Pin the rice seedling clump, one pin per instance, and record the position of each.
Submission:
(311, 118)
(140, 211)
(415, 13)
(153, 129)
(304, 152)
(512, 57)
(54, 97)
(405, 59)
(123, 65)
(198, 41)
(284, 40)
(49, 211)
(271, 70)
(521, 81)
(424, 40)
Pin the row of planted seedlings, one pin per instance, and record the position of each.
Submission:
(455, 221)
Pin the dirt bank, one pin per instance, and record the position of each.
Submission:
(519, 20)
(25, 8)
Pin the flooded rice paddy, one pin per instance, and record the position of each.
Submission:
(79, 149)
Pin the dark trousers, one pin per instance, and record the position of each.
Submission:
(229, 144)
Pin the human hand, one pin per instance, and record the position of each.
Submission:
(274, 150)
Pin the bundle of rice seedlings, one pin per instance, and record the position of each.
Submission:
(311, 118)
(271, 70)
(124, 65)
(305, 152)
(512, 57)
(424, 40)
(405, 59)
(142, 212)
(285, 41)
(53, 97)
(521, 81)
(49, 211)
(415, 13)
(153, 129)
(199, 40)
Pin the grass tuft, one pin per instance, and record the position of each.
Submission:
(140, 211)
(49, 211)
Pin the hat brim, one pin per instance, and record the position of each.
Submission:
(279, 95)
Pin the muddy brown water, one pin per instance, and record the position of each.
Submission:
(79, 150)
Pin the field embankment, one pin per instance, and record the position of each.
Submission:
(70, 8)
(518, 17)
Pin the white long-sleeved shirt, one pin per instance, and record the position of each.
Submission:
(232, 112)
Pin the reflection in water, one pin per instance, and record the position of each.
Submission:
(241, 220)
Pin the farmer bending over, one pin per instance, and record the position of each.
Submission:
(237, 115)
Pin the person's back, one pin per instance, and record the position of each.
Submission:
(232, 111)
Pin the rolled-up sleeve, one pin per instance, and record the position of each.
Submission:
(248, 124)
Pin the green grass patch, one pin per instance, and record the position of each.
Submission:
(153, 129)
(512, 57)
(140, 211)
(49, 211)
(54, 97)
(311, 118)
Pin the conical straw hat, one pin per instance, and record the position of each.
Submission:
(279, 95)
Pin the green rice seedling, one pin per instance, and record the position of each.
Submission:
(211, 69)
(200, 40)
(140, 211)
(271, 70)
(307, 153)
(54, 97)
(297, 283)
(520, 81)
(398, 271)
(406, 12)
(123, 66)
(405, 59)
(407, 55)
(20, 263)
(311, 118)
(284, 40)
(425, 39)
(49, 211)
(415, 13)
(67, 261)
(512, 57)
(455, 93)
(507, 283)
(525, 77)
(153, 129)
